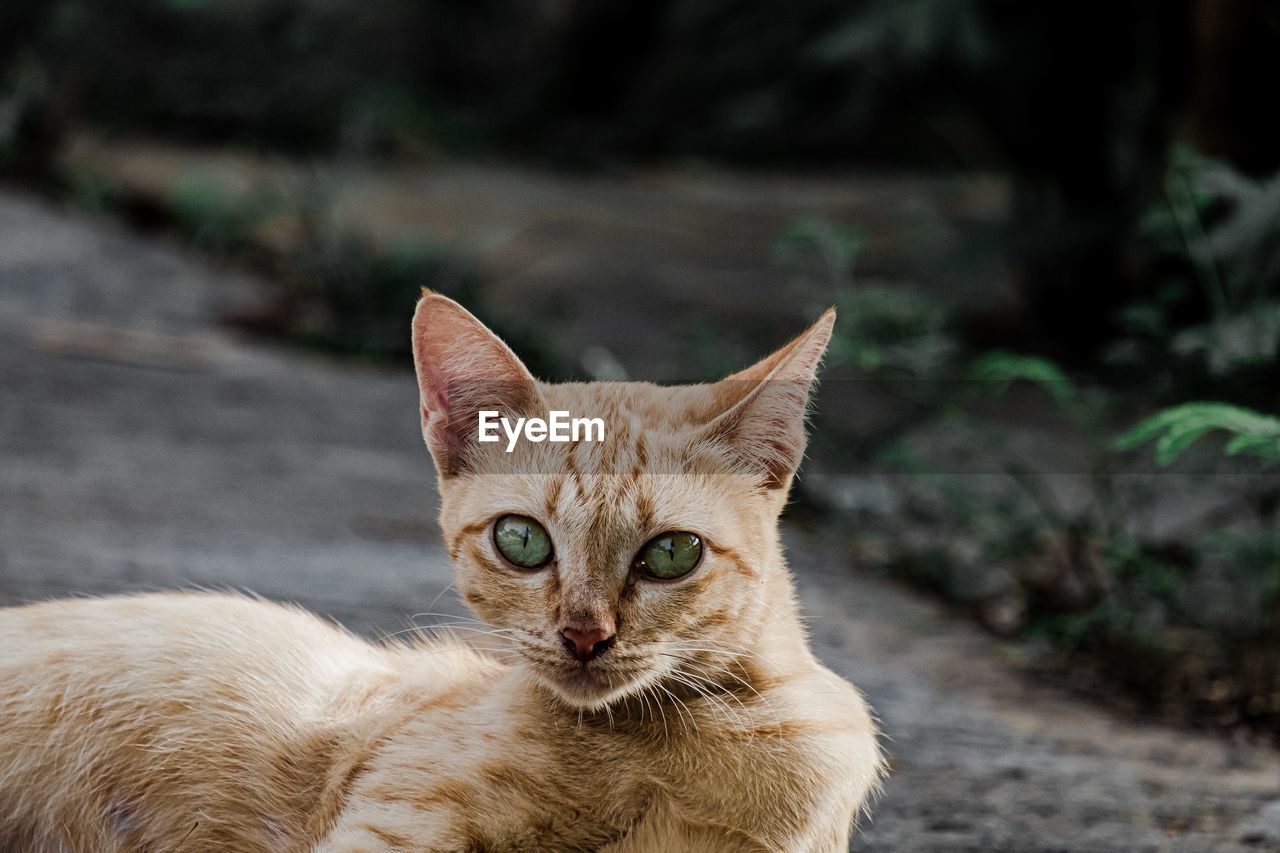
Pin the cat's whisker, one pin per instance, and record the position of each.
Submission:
(700, 672)
(722, 669)
(718, 705)
(441, 637)
(473, 625)
(681, 707)
(643, 696)
(763, 700)
(722, 647)
(654, 709)
(457, 619)
(740, 680)
(439, 595)
(445, 629)
(662, 712)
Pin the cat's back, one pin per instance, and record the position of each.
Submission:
(225, 655)
(170, 630)
(177, 721)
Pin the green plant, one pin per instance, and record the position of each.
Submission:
(885, 331)
(819, 245)
(1001, 368)
(891, 332)
(1175, 429)
(1211, 240)
(212, 216)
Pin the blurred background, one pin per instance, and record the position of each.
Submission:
(1052, 407)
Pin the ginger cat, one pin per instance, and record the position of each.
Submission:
(646, 684)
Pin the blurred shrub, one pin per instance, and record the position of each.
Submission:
(212, 218)
(818, 246)
(1184, 623)
(947, 82)
(1176, 429)
(294, 73)
(886, 330)
(998, 370)
(343, 294)
(1211, 246)
(892, 332)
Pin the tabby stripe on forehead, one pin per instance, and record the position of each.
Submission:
(553, 496)
(644, 511)
(577, 478)
(610, 451)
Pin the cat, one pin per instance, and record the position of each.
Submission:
(644, 682)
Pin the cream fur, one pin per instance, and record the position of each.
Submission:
(215, 722)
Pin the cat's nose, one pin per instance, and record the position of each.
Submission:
(584, 645)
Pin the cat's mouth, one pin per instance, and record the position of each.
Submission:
(589, 685)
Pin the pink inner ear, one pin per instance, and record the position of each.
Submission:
(764, 407)
(462, 367)
(434, 396)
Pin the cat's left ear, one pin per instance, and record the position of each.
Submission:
(761, 410)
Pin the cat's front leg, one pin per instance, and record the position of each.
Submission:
(796, 782)
(816, 779)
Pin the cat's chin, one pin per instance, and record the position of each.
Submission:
(585, 689)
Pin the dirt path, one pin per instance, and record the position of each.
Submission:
(144, 447)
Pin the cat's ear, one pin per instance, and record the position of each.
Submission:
(462, 368)
(760, 411)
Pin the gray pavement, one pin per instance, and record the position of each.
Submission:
(142, 447)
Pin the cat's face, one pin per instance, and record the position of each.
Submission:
(625, 565)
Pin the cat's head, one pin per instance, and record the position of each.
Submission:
(616, 566)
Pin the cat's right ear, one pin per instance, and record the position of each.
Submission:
(462, 368)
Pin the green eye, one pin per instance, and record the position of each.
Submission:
(523, 541)
(670, 556)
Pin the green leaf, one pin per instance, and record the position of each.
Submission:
(1177, 428)
(1001, 368)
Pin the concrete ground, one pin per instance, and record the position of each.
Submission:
(142, 446)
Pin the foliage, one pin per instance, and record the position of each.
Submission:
(1184, 625)
(890, 332)
(1175, 429)
(1211, 244)
(1001, 368)
(346, 295)
(885, 331)
(818, 244)
(213, 218)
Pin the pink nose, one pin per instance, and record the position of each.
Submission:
(584, 645)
